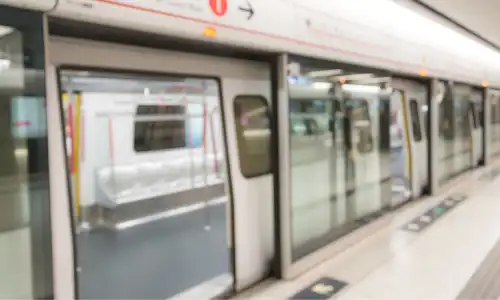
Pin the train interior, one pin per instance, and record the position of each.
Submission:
(146, 159)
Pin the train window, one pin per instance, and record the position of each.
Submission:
(309, 117)
(415, 120)
(495, 107)
(358, 114)
(25, 215)
(159, 127)
(253, 132)
(480, 113)
(446, 116)
(426, 122)
(336, 119)
(472, 110)
(384, 123)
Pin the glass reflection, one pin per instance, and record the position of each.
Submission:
(399, 155)
(147, 176)
(494, 136)
(455, 131)
(339, 149)
(25, 236)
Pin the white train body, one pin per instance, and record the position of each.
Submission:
(396, 36)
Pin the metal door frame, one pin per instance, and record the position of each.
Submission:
(65, 266)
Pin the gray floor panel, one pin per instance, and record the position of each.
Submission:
(485, 282)
(155, 260)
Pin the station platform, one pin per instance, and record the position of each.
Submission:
(441, 247)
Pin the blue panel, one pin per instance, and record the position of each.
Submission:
(194, 126)
(28, 117)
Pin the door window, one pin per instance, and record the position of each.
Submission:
(415, 120)
(148, 178)
(472, 112)
(25, 225)
(253, 134)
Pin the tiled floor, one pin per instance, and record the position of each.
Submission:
(396, 264)
(15, 264)
(155, 260)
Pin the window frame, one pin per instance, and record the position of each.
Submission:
(417, 133)
(237, 126)
(473, 112)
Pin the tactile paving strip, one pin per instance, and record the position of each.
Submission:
(428, 218)
(485, 282)
(323, 288)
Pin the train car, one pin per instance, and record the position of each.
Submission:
(208, 145)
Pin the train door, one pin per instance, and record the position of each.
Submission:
(363, 159)
(494, 123)
(415, 109)
(174, 169)
(475, 110)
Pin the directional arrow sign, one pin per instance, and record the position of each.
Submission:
(248, 9)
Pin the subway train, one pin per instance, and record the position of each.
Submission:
(281, 135)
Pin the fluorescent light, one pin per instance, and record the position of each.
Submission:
(373, 80)
(324, 73)
(4, 64)
(4, 30)
(355, 88)
(321, 85)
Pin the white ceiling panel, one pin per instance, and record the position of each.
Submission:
(480, 16)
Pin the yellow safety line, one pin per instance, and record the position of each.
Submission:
(76, 150)
(409, 161)
(472, 129)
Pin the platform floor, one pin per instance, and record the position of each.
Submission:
(452, 258)
(156, 260)
(15, 264)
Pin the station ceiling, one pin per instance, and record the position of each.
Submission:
(479, 16)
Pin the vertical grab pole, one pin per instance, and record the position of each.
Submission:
(214, 145)
(69, 132)
(76, 153)
(204, 105)
(205, 176)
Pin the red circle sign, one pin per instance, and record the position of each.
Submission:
(219, 7)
